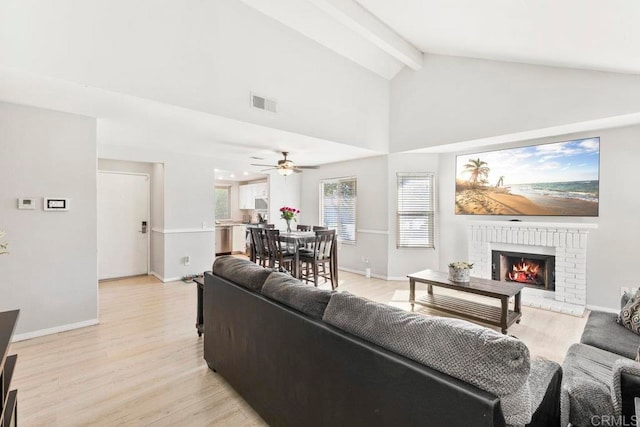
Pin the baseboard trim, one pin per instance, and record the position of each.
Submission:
(605, 309)
(362, 273)
(157, 276)
(165, 279)
(398, 278)
(54, 330)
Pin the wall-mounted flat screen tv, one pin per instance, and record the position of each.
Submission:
(559, 179)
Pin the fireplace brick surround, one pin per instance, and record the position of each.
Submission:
(566, 241)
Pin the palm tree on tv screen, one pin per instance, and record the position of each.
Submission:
(478, 170)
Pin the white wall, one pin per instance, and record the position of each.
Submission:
(371, 210)
(206, 56)
(51, 273)
(612, 252)
(284, 191)
(188, 207)
(453, 99)
(403, 261)
(157, 218)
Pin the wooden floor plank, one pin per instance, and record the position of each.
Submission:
(143, 365)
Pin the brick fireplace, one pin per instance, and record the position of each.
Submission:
(549, 258)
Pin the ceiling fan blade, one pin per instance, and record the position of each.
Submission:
(296, 170)
(269, 166)
(307, 167)
(269, 169)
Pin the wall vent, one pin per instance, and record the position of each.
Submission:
(262, 103)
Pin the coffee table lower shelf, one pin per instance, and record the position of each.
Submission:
(469, 310)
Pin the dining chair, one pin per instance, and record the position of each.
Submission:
(279, 257)
(316, 261)
(259, 251)
(303, 227)
(319, 227)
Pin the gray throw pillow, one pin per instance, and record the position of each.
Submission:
(241, 271)
(629, 316)
(625, 299)
(295, 294)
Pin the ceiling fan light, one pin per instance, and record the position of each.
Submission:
(285, 171)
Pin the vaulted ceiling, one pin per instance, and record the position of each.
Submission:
(177, 75)
(384, 36)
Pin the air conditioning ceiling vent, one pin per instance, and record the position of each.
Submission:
(262, 103)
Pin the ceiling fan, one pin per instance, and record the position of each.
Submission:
(285, 166)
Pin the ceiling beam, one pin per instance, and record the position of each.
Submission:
(360, 20)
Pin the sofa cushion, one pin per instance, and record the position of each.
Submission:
(241, 271)
(586, 384)
(491, 361)
(293, 293)
(603, 332)
(629, 316)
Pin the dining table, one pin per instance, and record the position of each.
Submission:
(296, 239)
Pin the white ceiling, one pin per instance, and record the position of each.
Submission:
(587, 34)
(238, 176)
(590, 34)
(380, 35)
(138, 123)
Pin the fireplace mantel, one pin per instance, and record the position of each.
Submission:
(537, 224)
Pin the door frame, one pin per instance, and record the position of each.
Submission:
(148, 210)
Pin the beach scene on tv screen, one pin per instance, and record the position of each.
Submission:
(559, 179)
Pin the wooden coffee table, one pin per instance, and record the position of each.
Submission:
(471, 310)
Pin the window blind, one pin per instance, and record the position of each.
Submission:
(338, 207)
(415, 214)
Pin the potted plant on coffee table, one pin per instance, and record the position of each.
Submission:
(460, 271)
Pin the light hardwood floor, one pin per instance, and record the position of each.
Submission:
(143, 364)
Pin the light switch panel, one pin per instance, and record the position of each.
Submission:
(26, 203)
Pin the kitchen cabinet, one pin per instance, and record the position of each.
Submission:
(246, 200)
(247, 194)
(239, 238)
(261, 189)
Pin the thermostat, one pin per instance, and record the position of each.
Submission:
(56, 204)
(26, 203)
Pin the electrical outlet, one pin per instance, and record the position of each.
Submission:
(187, 260)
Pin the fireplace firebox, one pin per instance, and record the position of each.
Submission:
(533, 270)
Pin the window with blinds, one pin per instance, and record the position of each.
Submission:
(415, 215)
(338, 207)
(223, 202)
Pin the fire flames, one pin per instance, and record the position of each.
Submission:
(524, 272)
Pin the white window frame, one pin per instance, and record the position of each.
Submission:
(416, 212)
(339, 236)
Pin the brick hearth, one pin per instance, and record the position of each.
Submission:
(567, 241)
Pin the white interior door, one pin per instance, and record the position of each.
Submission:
(123, 207)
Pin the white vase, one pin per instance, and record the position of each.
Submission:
(459, 274)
